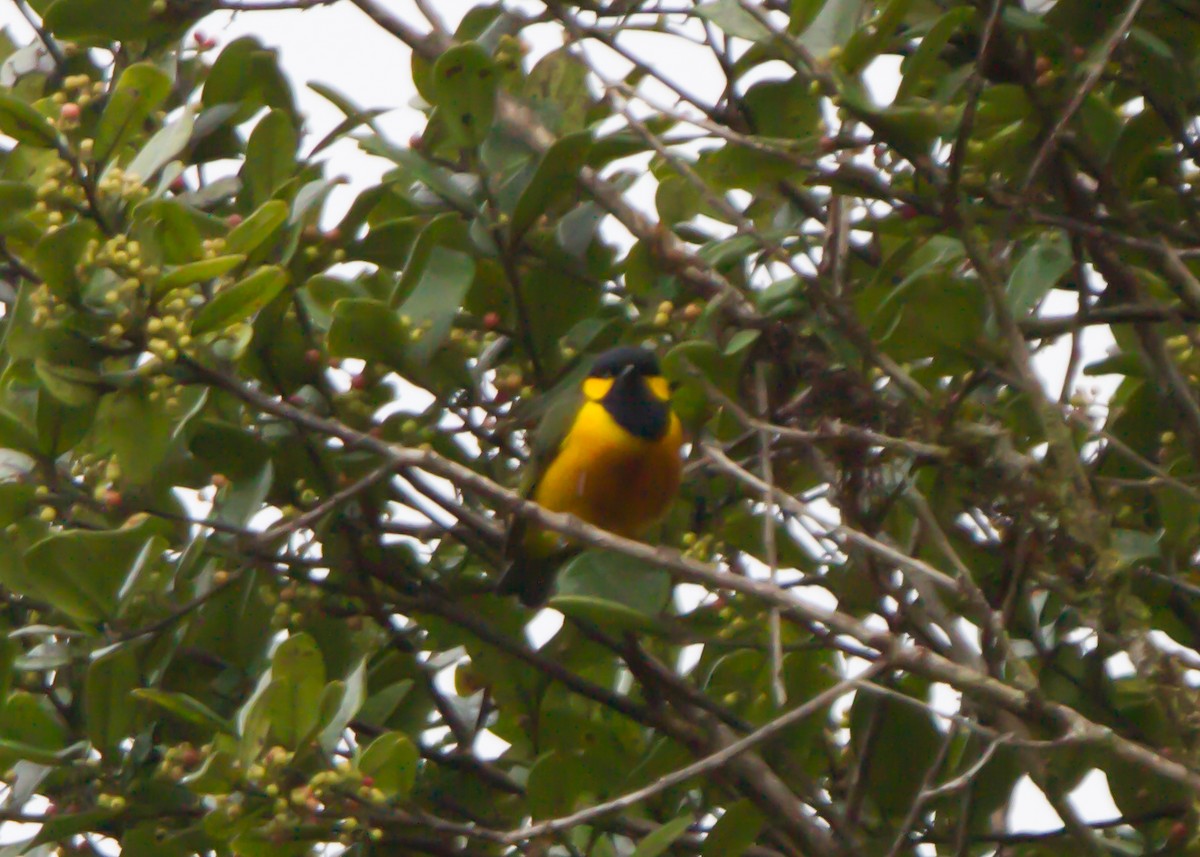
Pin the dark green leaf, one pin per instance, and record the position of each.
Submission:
(186, 708)
(24, 124)
(433, 304)
(735, 831)
(256, 229)
(1037, 272)
(241, 300)
(100, 20)
(270, 158)
(367, 329)
(138, 429)
(555, 179)
(82, 573)
(612, 589)
(659, 840)
(391, 760)
(140, 90)
(198, 272)
(108, 700)
(292, 699)
(464, 85)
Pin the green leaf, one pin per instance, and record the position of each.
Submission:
(787, 109)
(60, 426)
(740, 341)
(557, 90)
(389, 244)
(293, 697)
(734, 20)
(241, 300)
(95, 21)
(902, 742)
(350, 701)
(391, 760)
(254, 231)
(247, 74)
(138, 429)
(270, 157)
(166, 144)
(15, 434)
(434, 303)
(920, 68)
(179, 276)
(108, 700)
(140, 90)
(367, 329)
(868, 41)
(15, 199)
(185, 708)
(75, 386)
(687, 360)
(81, 572)
(437, 179)
(24, 124)
(1132, 546)
(29, 729)
(464, 84)
(612, 590)
(735, 831)
(802, 13)
(57, 255)
(553, 181)
(1037, 272)
(657, 841)
(556, 785)
(831, 27)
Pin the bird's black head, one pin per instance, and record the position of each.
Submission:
(630, 386)
(638, 361)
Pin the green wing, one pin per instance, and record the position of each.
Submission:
(531, 578)
(548, 437)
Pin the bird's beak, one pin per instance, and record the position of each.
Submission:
(627, 373)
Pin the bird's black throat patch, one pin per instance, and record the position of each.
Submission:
(634, 408)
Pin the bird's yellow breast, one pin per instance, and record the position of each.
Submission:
(610, 477)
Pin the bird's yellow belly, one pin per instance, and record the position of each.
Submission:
(611, 478)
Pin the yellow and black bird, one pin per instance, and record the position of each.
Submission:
(608, 454)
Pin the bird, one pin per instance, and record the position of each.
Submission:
(609, 453)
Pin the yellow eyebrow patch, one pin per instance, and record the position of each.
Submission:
(595, 389)
(660, 387)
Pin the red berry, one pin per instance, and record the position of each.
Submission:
(69, 111)
(491, 320)
(312, 357)
(234, 220)
(360, 381)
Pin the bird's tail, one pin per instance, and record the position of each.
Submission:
(531, 580)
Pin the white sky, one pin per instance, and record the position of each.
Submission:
(338, 46)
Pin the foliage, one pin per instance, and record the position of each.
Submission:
(257, 462)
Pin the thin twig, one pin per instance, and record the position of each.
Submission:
(1080, 95)
(702, 766)
(770, 549)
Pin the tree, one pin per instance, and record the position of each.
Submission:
(247, 577)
